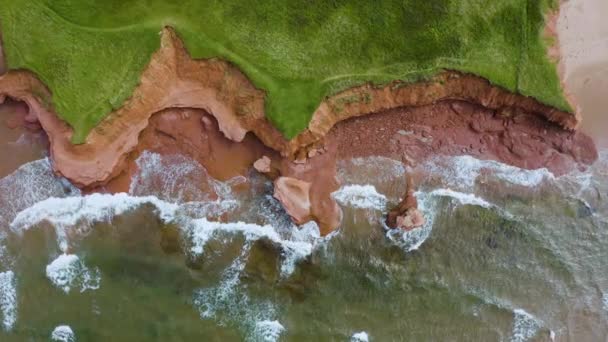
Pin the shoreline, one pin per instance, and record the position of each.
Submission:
(209, 110)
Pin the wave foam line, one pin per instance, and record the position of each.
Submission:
(462, 198)
(201, 231)
(464, 171)
(8, 299)
(63, 213)
(361, 197)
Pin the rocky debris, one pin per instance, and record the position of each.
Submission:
(320, 172)
(525, 140)
(406, 215)
(262, 165)
(294, 195)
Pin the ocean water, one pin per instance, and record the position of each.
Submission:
(505, 255)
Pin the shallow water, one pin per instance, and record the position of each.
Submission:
(506, 255)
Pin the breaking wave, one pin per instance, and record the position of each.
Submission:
(82, 211)
(200, 231)
(67, 271)
(72, 215)
(360, 196)
(463, 172)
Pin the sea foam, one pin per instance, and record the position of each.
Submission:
(63, 333)
(200, 231)
(8, 299)
(64, 213)
(360, 196)
(428, 204)
(360, 337)
(462, 198)
(227, 303)
(68, 271)
(29, 184)
(268, 331)
(170, 178)
(463, 171)
(525, 326)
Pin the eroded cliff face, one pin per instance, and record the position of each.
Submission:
(209, 110)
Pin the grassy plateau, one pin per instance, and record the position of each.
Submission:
(91, 53)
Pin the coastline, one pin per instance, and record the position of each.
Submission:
(180, 99)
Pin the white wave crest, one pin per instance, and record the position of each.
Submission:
(463, 171)
(360, 196)
(68, 271)
(8, 299)
(63, 213)
(268, 331)
(200, 231)
(360, 337)
(525, 326)
(462, 198)
(63, 333)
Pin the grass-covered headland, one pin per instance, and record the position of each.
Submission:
(90, 53)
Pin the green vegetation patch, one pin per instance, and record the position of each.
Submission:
(91, 53)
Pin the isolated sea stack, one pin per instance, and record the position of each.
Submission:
(406, 215)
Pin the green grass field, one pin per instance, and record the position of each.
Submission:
(91, 52)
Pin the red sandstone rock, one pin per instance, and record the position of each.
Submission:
(411, 219)
(294, 195)
(262, 165)
(406, 214)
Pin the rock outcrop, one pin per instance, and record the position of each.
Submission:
(294, 195)
(406, 215)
